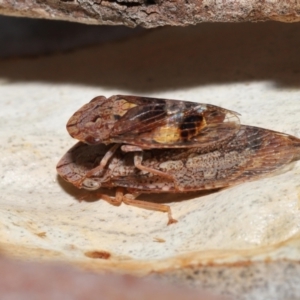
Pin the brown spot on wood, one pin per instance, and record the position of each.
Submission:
(159, 240)
(41, 234)
(98, 254)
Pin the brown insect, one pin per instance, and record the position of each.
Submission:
(251, 153)
(140, 123)
(149, 123)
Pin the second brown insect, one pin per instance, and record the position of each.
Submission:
(253, 153)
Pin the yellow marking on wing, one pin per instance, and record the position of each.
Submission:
(122, 106)
(167, 134)
(201, 126)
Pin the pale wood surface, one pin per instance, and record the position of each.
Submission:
(250, 68)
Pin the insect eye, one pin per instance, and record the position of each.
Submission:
(91, 184)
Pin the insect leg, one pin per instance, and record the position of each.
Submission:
(138, 158)
(114, 201)
(130, 148)
(129, 200)
(117, 200)
(102, 164)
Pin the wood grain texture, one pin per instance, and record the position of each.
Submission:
(154, 13)
(242, 241)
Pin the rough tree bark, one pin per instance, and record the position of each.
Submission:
(153, 13)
